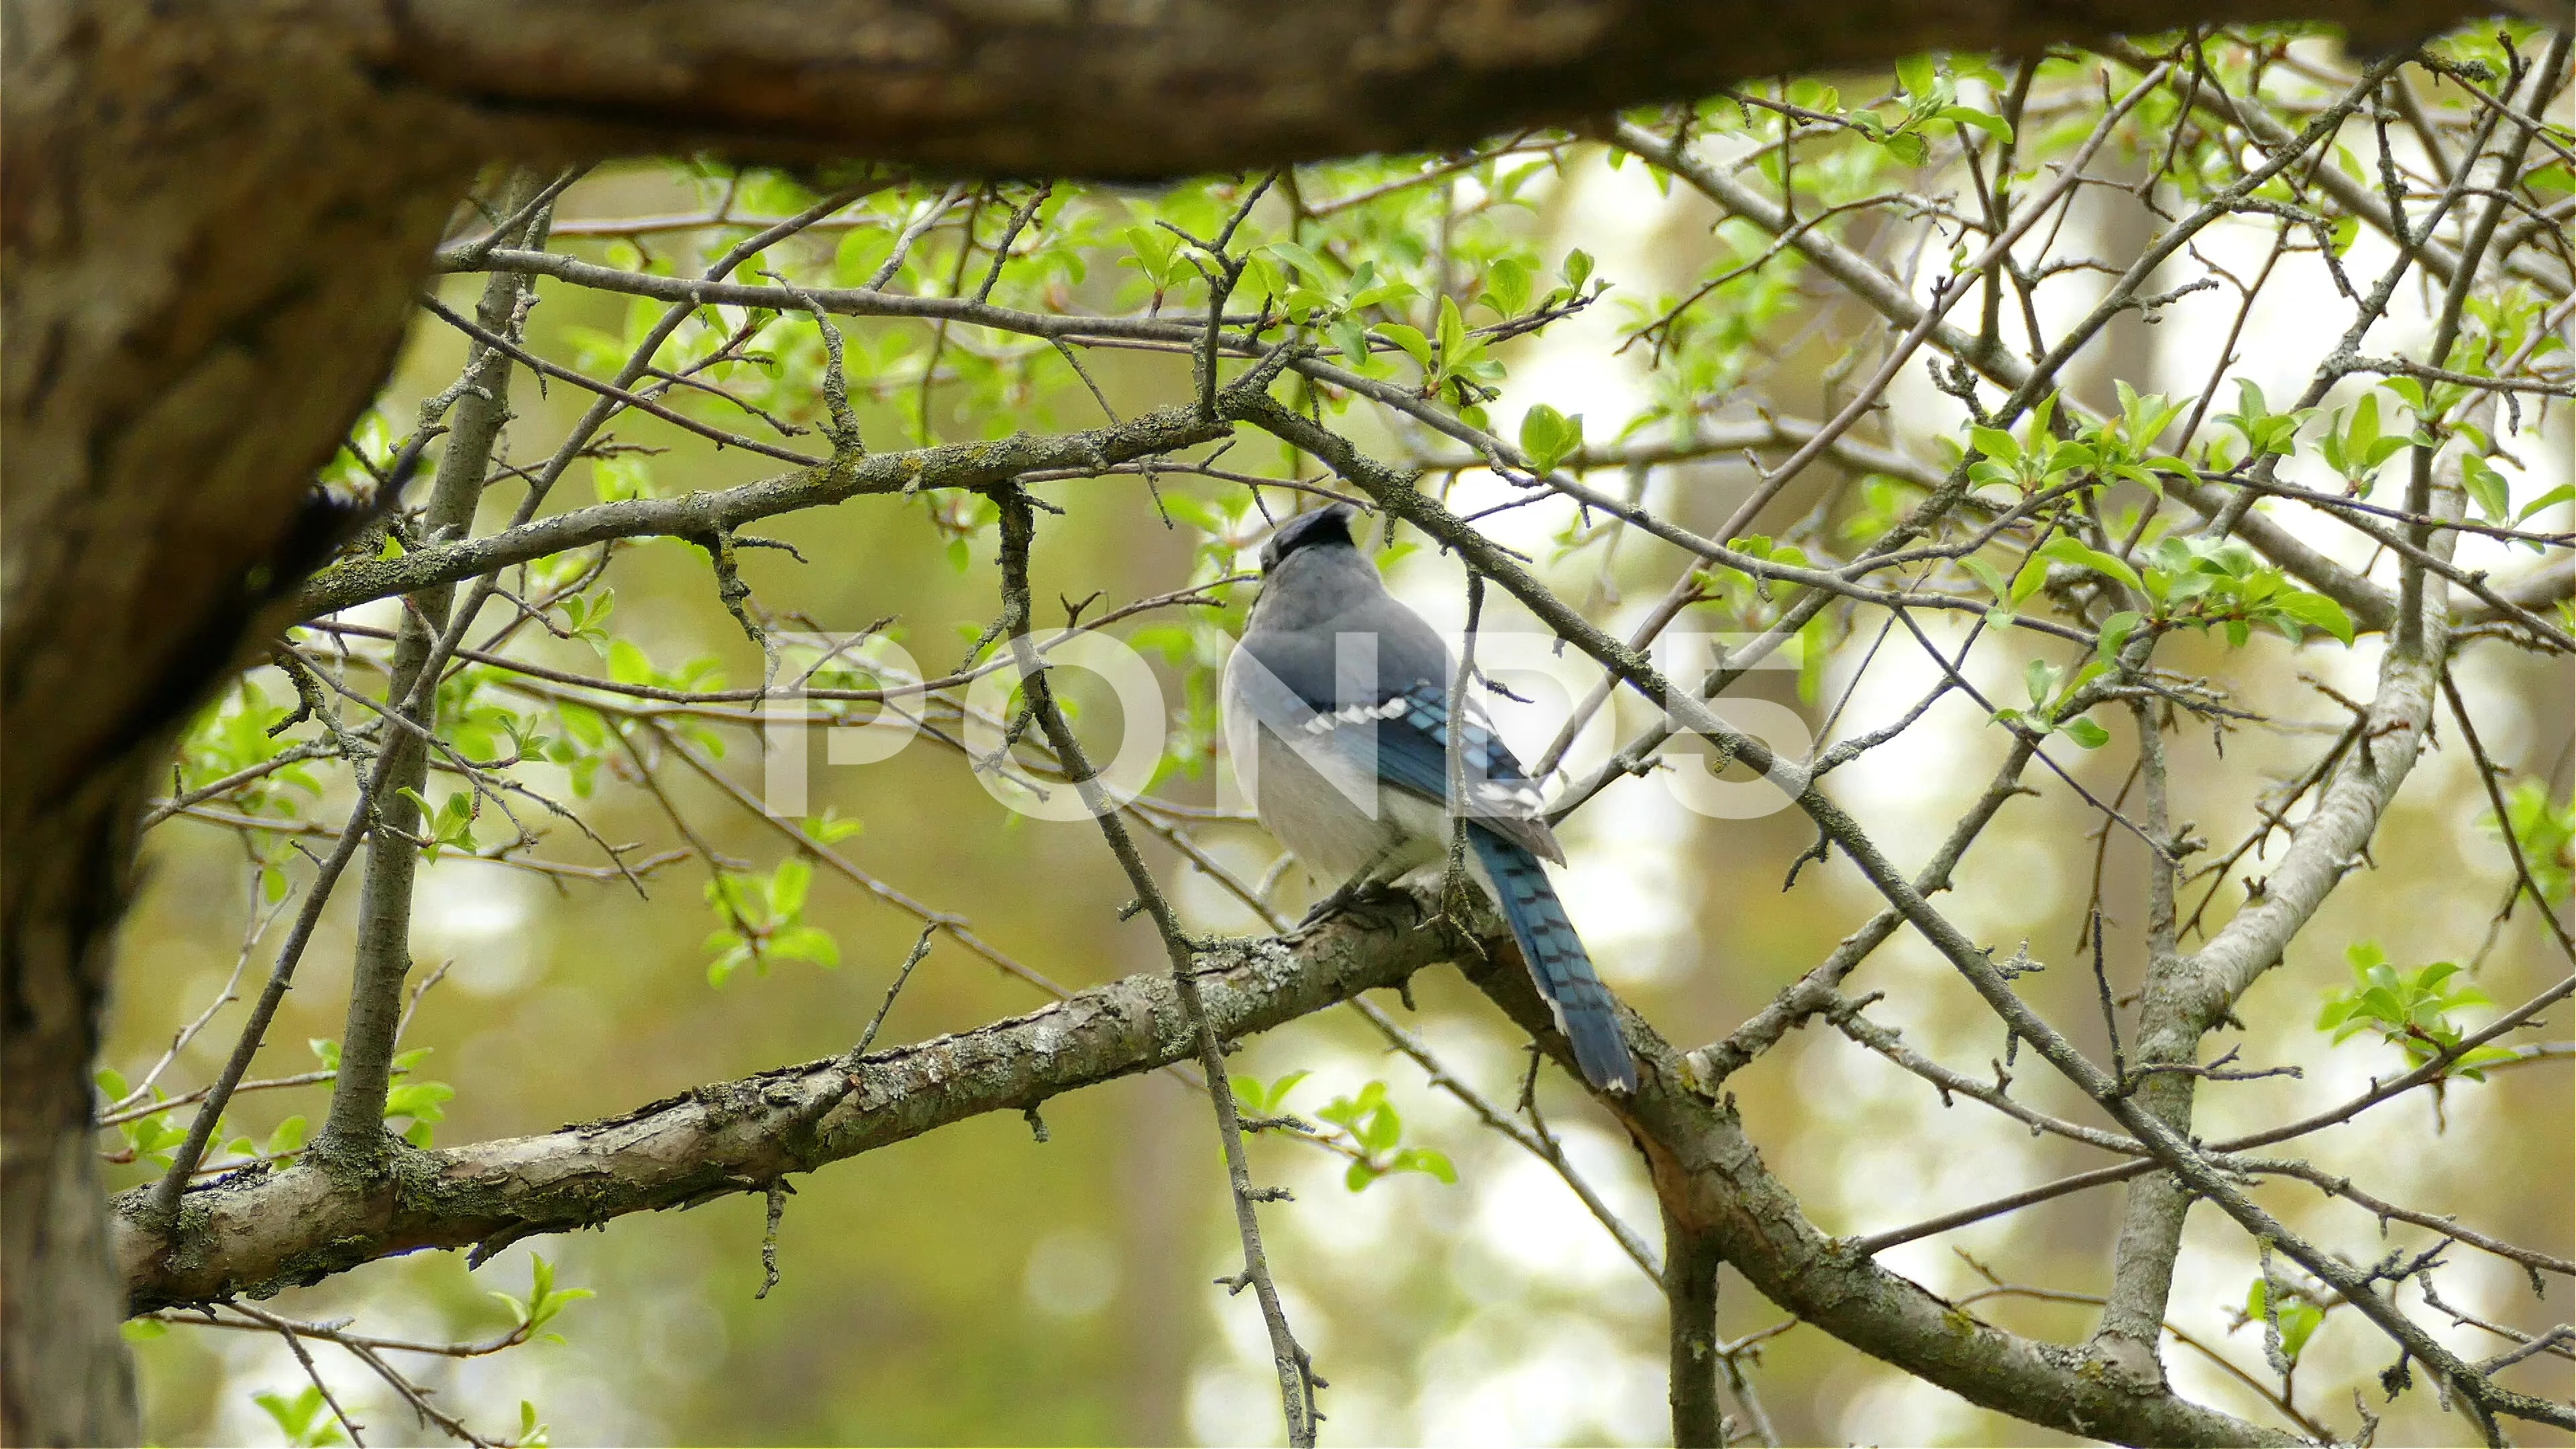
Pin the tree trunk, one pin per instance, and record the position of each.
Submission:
(67, 1380)
(213, 230)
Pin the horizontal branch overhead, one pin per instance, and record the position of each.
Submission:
(1145, 90)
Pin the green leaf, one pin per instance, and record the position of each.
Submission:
(2027, 581)
(1315, 268)
(787, 885)
(627, 664)
(2066, 550)
(2115, 635)
(807, 943)
(1918, 75)
(1507, 285)
(1381, 1130)
(2086, 733)
(2040, 677)
(1276, 1095)
(830, 828)
(1548, 437)
(582, 723)
(1986, 574)
(1436, 1163)
(418, 1100)
(2298, 1322)
(1992, 125)
(2411, 390)
(305, 1419)
(545, 1300)
(1352, 338)
(1415, 345)
(2555, 496)
(2473, 1063)
(1453, 332)
(2488, 489)
(1814, 94)
(2316, 611)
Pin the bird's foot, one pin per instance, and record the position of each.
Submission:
(1361, 896)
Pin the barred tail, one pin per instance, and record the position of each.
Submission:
(1557, 961)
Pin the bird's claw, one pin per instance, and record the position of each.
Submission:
(1352, 898)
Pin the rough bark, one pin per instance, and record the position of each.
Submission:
(1156, 89)
(209, 234)
(253, 1233)
(1691, 1366)
(382, 959)
(69, 1383)
(1711, 1182)
(213, 218)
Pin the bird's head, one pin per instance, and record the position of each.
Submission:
(1327, 527)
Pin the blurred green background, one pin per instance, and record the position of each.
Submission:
(978, 1285)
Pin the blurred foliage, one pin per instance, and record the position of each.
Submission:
(973, 1286)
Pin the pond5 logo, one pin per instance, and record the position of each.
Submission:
(869, 699)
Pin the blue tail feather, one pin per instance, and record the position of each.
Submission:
(1557, 961)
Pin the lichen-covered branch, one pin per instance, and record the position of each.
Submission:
(256, 1232)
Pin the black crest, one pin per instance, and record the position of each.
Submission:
(1328, 525)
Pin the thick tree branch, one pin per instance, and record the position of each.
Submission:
(2152, 1215)
(1714, 1187)
(1075, 91)
(254, 1233)
(1691, 1261)
(2330, 842)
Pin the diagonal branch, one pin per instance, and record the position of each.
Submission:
(1711, 1180)
(1297, 1380)
(1395, 492)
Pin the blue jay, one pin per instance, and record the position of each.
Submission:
(1337, 716)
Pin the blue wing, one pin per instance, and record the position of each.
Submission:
(1508, 840)
(1400, 737)
(1412, 742)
